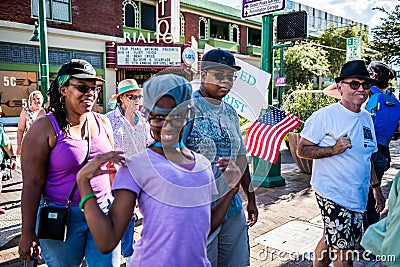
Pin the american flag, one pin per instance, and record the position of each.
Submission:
(265, 135)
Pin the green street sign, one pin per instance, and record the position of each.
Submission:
(353, 48)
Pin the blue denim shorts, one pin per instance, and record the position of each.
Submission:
(79, 243)
(229, 245)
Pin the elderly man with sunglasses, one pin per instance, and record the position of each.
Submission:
(341, 139)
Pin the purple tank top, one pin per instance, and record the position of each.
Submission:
(66, 159)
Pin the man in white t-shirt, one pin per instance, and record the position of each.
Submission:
(341, 139)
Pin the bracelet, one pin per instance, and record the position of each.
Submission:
(84, 199)
(376, 185)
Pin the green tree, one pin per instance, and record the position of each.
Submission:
(304, 61)
(386, 38)
(335, 41)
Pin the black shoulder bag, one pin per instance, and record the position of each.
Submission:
(53, 221)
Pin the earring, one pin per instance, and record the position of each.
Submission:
(62, 99)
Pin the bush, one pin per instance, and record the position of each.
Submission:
(303, 101)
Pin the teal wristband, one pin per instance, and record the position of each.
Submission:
(84, 199)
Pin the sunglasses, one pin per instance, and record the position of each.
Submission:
(134, 97)
(355, 85)
(161, 121)
(222, 76)
(83, 88)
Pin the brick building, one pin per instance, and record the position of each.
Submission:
(119, 38)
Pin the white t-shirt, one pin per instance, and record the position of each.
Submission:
(343, 178)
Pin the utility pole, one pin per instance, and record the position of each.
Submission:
(44, 59)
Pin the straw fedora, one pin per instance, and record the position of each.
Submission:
(125, 86)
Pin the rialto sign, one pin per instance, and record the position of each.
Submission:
(167, 22)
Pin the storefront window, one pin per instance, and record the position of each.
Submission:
(15, 88)
(219, 29)
(254, 37)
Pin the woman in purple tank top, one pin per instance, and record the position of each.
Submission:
(53, 151)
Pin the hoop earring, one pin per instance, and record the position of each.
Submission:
(62, 100)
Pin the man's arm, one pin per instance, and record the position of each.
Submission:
(376, 190)
(309, 150)
(252, 211)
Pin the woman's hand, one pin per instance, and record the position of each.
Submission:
(379, 199)
(29, 247)
(92, 168)
(230, 171)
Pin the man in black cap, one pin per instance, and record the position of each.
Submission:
(215, 133)
(341, 139)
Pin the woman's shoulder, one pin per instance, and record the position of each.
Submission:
(41, 127)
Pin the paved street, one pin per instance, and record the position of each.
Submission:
(285, 234)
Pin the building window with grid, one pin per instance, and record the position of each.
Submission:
(148, 15)
(130, 13)
(57, 10)
(203, 28)
(235, 33)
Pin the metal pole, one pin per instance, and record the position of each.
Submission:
(44, 59)
(280, 75)
(265, 174)
(266, 48)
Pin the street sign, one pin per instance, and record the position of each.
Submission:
(251, 8)
(353, 48)
(280, 81)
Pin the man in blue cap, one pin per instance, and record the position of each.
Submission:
(215, 133)
(341, 139)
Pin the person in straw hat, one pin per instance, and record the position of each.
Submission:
(129, 127)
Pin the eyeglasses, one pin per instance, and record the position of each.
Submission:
(355, 85)
(134, 97)
(160, 121)
(83, 88)
(221, 76)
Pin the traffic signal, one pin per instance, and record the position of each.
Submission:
(292, 26)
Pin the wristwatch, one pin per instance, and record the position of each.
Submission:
(13, 157)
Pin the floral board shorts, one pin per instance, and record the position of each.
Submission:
(342, 227)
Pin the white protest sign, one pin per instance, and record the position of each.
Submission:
(249, 91)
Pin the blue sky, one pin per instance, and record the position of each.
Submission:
(358, 10)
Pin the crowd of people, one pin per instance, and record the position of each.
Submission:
(178, 156)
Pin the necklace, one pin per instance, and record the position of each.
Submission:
(159, 144)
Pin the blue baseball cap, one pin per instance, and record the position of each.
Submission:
(218, 58)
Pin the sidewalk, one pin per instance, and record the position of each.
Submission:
(287, 228)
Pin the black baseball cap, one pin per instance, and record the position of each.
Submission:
(218, 58)
(80, 69)
(354, 69)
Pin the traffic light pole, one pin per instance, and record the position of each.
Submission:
(44, 59)
(264, 174)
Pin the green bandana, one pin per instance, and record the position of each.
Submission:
(63, 79)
